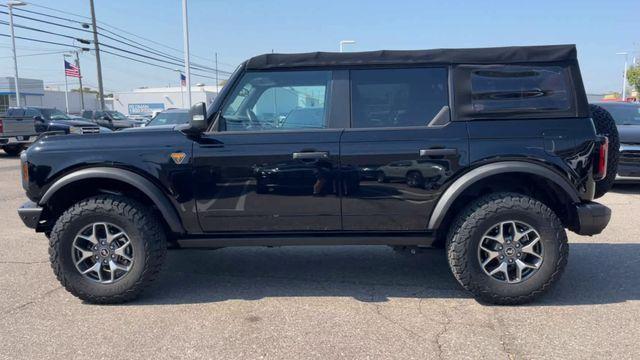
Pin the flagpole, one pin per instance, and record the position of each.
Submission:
(66, 86)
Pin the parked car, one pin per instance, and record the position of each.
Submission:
(51, 119)
(113, 120)
(16, 132)
(627, 118)
(415, 173)
(169, 118)
(510, 127)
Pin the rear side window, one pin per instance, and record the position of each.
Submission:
(519, 90)
(397, 97)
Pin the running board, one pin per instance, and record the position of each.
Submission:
(395, 239)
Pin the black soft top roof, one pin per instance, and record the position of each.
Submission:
(496, 55)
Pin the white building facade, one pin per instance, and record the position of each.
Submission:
(146, 101)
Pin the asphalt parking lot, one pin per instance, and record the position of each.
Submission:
(321, 302)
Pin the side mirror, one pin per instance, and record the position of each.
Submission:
(198, 118)
(38, 118)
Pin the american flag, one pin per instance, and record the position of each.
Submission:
(71, 70)
(183, 80)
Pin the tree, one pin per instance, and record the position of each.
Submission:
(633, 77)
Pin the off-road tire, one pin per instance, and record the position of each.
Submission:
(472, 223)
(13, 150)
(145, 233)
(605, 125)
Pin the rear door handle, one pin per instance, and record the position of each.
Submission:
(438, 152)
(311, 155)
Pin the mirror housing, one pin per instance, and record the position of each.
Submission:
(198, 118)
(38, 118)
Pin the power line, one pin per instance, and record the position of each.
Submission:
(115, 34)
(42, 41)
(193, 65)
(38, 54)
(156, 65)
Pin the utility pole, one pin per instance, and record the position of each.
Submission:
(97, 47)
(80, 80)
(217, 91)
(187, 65)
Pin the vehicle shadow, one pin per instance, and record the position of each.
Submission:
(630, 188)
(597, 273)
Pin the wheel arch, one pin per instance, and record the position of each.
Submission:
(515, 169)
(117, 175)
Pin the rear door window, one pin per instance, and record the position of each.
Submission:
(519, 89)
(397, 97)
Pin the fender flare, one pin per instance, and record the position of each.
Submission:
(462, 183)
(139, 182)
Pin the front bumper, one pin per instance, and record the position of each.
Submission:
(592, 218)
(30, 213)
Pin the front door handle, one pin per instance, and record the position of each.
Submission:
(311, 155)
(438, 152)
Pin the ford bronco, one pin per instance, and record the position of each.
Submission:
(498, 150)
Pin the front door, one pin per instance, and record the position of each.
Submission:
(272, 163)
(403, 146)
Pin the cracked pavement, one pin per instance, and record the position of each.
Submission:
(321, 302)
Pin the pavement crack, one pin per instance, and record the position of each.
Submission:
(439, 335)
(24, 262)
(31, 302)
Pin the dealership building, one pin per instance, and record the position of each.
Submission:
(146, 101)
(34, 93)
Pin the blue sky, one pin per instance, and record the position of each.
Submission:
(237, 30)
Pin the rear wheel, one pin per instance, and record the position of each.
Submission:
(13, 150)
(605, 125)
(382, 178)
(107, 249)
(507, 248)
(415, 179)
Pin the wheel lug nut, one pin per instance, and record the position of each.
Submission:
(104, 242)
(510, 261)
(113, 256)
(519, 254)
(501, 257)
(500, 247)
(517, 245)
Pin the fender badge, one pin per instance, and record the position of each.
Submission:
(178, 157)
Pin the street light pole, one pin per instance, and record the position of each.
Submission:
(187, 65)
(345, 42)
(624, 76)
(10, 5)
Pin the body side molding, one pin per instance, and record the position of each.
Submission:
(147, 187)
(484, 171)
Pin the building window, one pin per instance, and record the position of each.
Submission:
(4, 103)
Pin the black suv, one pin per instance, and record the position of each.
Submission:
(51, 119)
(505, 153)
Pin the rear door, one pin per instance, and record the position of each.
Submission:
(272, 164)
(400, 131)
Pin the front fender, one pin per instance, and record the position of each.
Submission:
(147, 187)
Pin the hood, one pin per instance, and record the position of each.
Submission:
(629, 134)
(72, 122)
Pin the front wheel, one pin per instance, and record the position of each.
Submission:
(507, 248)
(107, 249)
(13, 150)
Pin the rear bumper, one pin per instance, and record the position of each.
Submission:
(30, 213)
(27, 139)
(592, 218)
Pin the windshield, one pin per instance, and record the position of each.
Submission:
(170, 118)
(54, 114)
(624, 114)
(116, 115)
